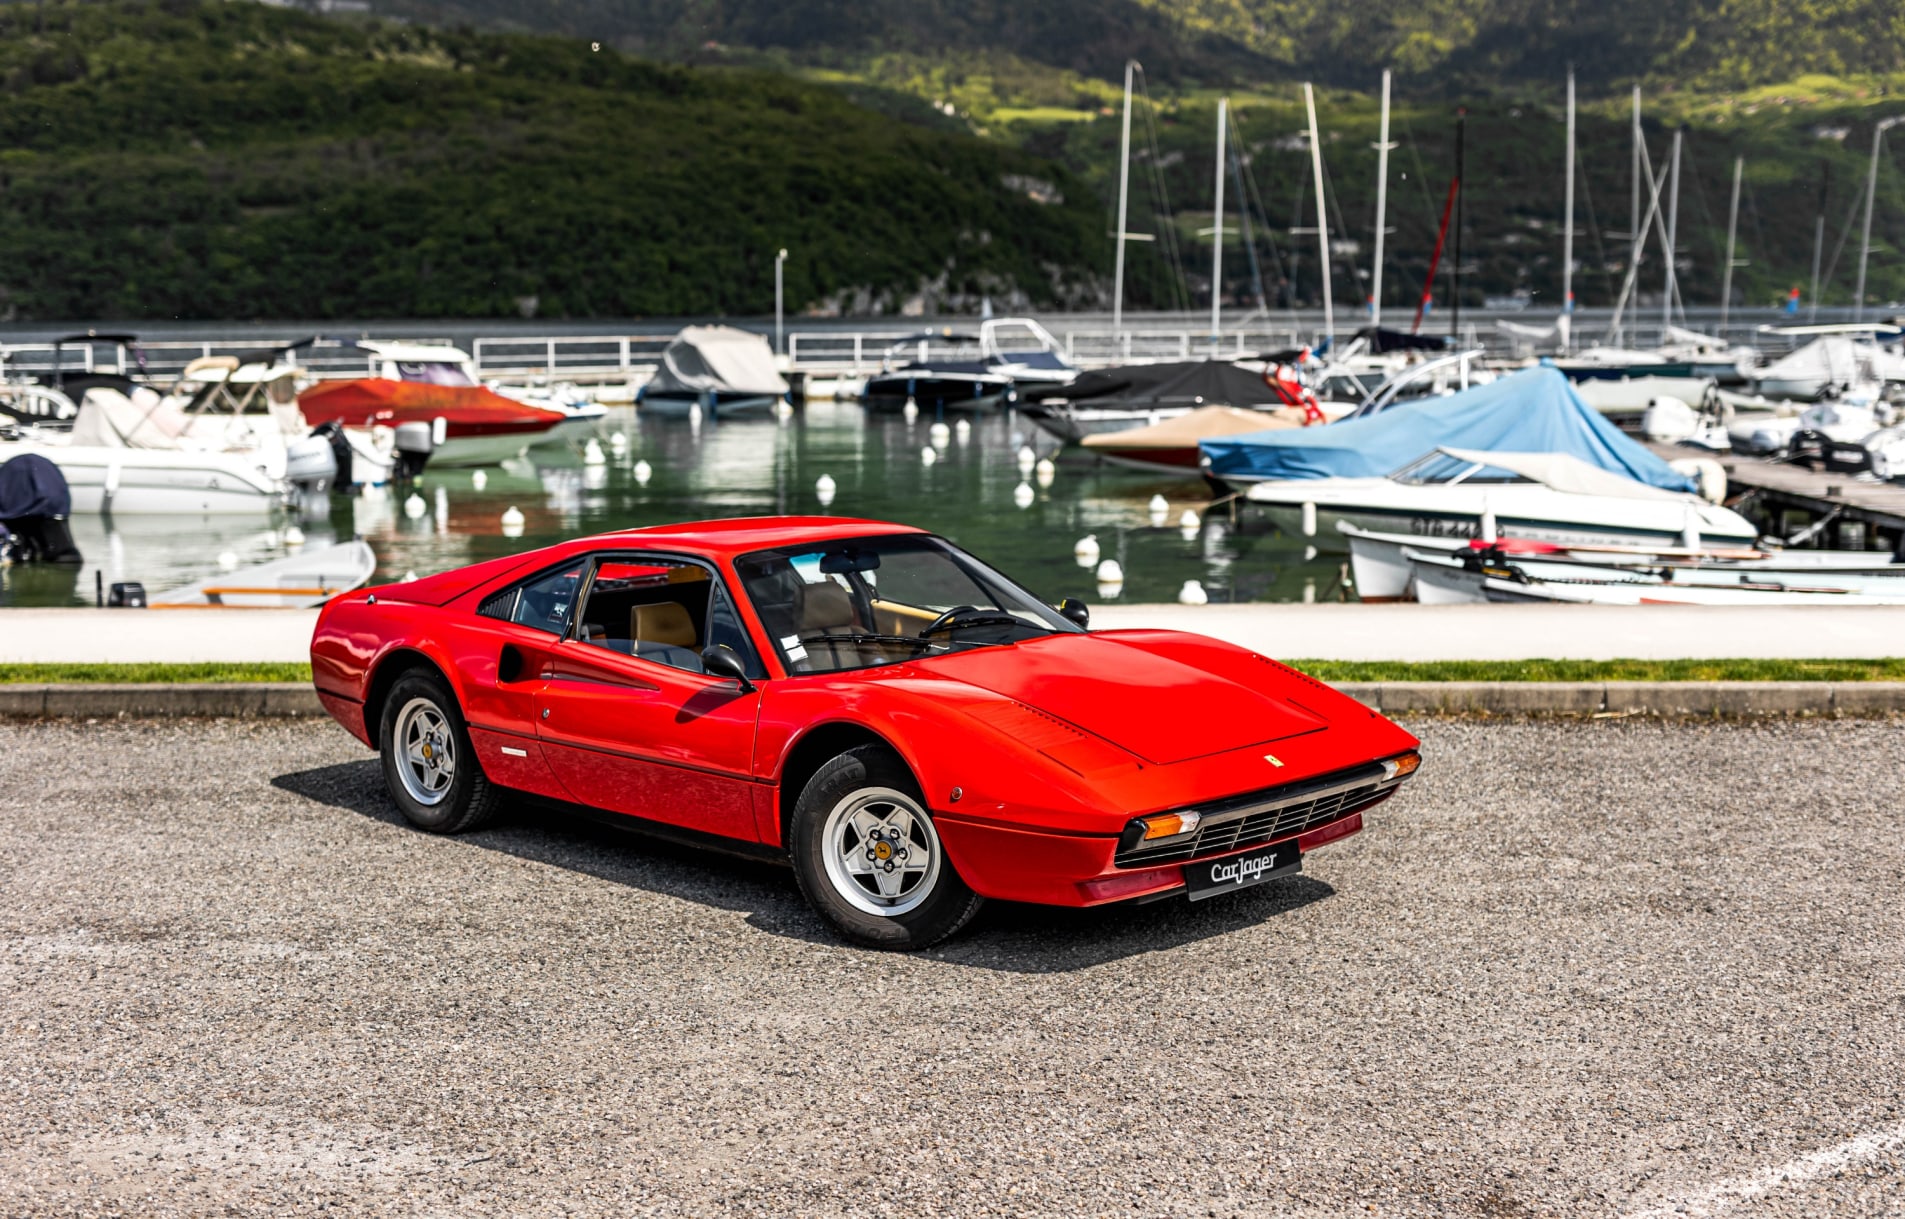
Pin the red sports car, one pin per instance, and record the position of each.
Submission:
(912, 730)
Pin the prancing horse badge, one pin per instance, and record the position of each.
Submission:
(1273, 760)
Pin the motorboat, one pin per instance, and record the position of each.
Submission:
(1170, 445)
(1487, 576)
(422, 383)
(582, 415)
(1535, 410)
(1382, 571)
(1025, 351)
(1112, 400)
(718, 370)
(140, 454)
(1470, 493)
(296, 581)
(937, 382)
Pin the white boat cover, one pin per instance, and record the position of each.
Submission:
(1201, 424)
(720, 359)
(1564, 473)
(1836, 358)
(109, 419)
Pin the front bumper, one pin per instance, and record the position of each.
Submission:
(1020, 865)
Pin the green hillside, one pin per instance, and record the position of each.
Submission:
(201, 159)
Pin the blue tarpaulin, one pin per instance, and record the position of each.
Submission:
(1533, 411)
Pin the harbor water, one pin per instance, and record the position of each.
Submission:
(752, 466)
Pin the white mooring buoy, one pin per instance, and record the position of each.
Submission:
(513, 522)
(1192, 594)
(1085, 550)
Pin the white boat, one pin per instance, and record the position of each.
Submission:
(1382, 571)
(1550, 497)
(1442, 579)
(1836, 360)
(1025, 351)
(137, 455)
(1632, 395)
(294, 582)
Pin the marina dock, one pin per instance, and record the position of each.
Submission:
(1784, 498)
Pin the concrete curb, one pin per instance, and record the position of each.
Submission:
(1677, 699)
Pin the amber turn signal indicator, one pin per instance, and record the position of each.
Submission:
(1169, 825)
(1396, 768)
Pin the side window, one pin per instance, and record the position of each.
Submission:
(649, 608)
(545, 602)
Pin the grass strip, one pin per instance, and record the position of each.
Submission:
(154, 674)
(1891, 669)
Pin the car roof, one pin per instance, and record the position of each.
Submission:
(740, 535)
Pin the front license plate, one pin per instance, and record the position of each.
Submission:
(1202, 880)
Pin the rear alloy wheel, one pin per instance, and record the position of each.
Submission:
(429, 766)
(868, 857)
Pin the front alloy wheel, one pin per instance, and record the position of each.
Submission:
(867, 856)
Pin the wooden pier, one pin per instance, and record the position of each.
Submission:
(1857, 513)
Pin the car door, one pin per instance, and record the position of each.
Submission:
(629, 722)
(502, 656)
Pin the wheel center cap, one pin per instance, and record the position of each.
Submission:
(883, 851)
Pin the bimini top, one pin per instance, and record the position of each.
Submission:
(718, 358)
(1533, 411)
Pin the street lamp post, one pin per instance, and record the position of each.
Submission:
(780, 260)
(1871, 188)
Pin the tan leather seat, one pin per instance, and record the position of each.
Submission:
(666, 623)
(826, 609)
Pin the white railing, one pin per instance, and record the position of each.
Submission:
(589, 357)
(162, 361)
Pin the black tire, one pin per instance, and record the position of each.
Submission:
(939, 904)
(467, 799)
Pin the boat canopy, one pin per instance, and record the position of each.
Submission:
(415, 353)
(721, 359)
(1533, 411)
(109, 419)
(1181, 383)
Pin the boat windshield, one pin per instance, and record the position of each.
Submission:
(1440, 469)
(863, 602)
(434, 373)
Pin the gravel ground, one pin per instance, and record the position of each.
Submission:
(1577, 969)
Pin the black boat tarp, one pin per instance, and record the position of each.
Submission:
(1152, 387)
(1383, 340)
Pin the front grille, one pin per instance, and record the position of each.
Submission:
(1264, 816)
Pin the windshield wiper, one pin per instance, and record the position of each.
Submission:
(954, 623)
(908, 640)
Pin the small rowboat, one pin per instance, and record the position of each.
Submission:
(295, 582)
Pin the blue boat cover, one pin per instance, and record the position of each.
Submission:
(30, 485)
(1533, 411)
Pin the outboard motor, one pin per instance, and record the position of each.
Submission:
(34, 505)
(311, 463)
(414, 444)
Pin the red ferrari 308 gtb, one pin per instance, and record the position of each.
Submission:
(914, 731)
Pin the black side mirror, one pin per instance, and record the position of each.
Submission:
(721, 660)
(1074, 610)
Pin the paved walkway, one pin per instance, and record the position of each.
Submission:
(1316, 632)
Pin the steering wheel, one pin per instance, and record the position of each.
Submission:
(951, 614)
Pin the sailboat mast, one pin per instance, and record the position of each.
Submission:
(1732, 230)
(1124, 199)
(1322, 217)
(1217, 229)
(1567, 227)
(1461, 208)
(1673, 226)
(1382, 203)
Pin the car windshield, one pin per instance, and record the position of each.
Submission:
(861, 602)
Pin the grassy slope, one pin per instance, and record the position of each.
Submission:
(1327, 670)
(205, 159)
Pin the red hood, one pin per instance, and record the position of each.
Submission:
(1160, 707)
